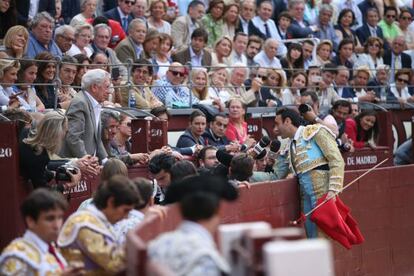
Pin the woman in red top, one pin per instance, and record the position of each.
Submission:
(363, 130)
(237, 127)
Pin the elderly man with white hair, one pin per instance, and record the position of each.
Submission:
(238, 75)
(64, 37)
(267, 57)
(84, 113)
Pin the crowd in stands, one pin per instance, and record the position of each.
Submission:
(65, 64)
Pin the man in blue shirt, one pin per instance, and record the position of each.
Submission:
(41, 34)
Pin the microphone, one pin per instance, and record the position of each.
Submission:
(261, 155)
(224, 158)
(274, 149)
(259, 147)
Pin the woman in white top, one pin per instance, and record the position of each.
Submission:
(222, 51)
(404, 19)
(88, 9)
(26, 76)
(158, 9)
(231, 19)
(162, 56)
(291, 95)
(399, 89)
(83, 37)
(372, 56)
(323, 53)
(8, 76)
(218, 94)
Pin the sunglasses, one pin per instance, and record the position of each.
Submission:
(177, 74)
(403, 80)
(262, 77)
(375, 45)
(129, 2)
(406, 18)
(390, 16)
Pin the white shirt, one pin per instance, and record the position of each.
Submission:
(404, 93)
(97, 108)
(259, 23)
(245, 25)
(236, 58)
(34, 7)
(263, 60)
(5, 93)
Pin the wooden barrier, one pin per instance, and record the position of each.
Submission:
(381, 202)
(148, 135)
(366, 158)
(254, 128)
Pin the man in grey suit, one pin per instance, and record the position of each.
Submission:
(84, 113)
(183, 26)
(131, 46)
(195, 53)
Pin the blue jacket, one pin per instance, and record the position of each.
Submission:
(187, 141)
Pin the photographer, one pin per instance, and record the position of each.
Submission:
(37, 151)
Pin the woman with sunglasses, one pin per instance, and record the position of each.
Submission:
(372, 56)
(404, 21)
(291, 95)
(399, 90)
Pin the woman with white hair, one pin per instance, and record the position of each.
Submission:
(83, 38)
(88, 9)
(218, 93)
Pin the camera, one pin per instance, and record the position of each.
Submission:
(62, 173)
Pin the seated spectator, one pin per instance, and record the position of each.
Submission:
(380, 82)
(151, 43)
(99, 61)
(323, 53)
(389, 25)
(307, 49)
(396, 58)
(325, 29)
(355, 110)
(222, 51)
(122, 13)
(341, 84)
(345, 54)
(132, 47)
(404, 21)
(192, 141)
(64, 37)
(291, 95)
(8, 77)
(213, 22)
(231, 19)
(241, 167)
(160, 168)
(247, 12)
(195, 53)
(46, 74)
(360, 85)
(158, 10)
(88, 9)
(345, 26)
(84, 63)
(144, 98)
(215, 134)
(117, 33)
(370, 27)
(237, 128)
(161, 113)
(67, 74)
(41, 36)
(207, 157)
(170, 90)
(199, 82)
(259, 85)
(314, 76)
(399, 90)
(16, 41)
(83, 36)
(299, 28)
(372, 56)
(27, 75)
(267, 57)
(239, 48)
(254, 46)
(363, 130)
(162, 59)
(283, 22)
(293, 61)
(326, 92)
(238, 75)
(275, 82)
(218, 93)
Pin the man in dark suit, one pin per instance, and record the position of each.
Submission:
(26, 10)
(395, 57)
(299, 28)
(380, 82)
(131, 47)
(365, 5)
(341, 84)
(70, 8)
(370, 27)
(122, 13)
(247, 12)
(84, 112)
(195, 53)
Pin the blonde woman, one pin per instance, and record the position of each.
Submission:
(231, 19)
(158, 9)
(323, 52)
(199, 81)
(222, 51)
(83, 38)
(16, 41)
(218, 93)
(276, 82)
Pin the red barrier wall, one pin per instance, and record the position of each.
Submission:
(382, 203)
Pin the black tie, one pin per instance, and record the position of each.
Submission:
(267, 31)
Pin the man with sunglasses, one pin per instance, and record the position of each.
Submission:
(388, 25)
(122, 13)
(170, 90)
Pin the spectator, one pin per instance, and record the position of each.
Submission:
(46, 74)
(83, 36)
(267, 57)
(314, 76)
(370, 27)
(239, 48)
(293, 61)
(341, 84)
(132, 45)
(326, 30)
(291, 95)
(396, 58)
(192, 141)
(344, 27)
(169, 89)
(183, 27)
(388, 24)
(40, 37)
(88, 11)
(241, 167)
(260, 164)
(162, 59)
(237, 128)
(352, 6)
(83, 62)
(345, 53)
(195, 53)
(323, 53)
(299, 28)
(283, 22)
(399, 90)
(264, 27)
(28, 10)
(207, 157)
(355, 110)
(42, 212)
(122, 13)
(102, 36)
(222, 51)
(372, 56)
(67, 74)
(8, 16)
(27, 75)
(380, 82)
(254, 45)
(365, 7)
(117, 33)
(83, 136)
(161, 113)
(199, 82)
(276, 81)
(151, 42)
(16, 41)
(64, 38)
(215, 134)
(403, 155)
(404, 20)
(160, 169)
(307, 50)
(340, 111)
(213, 21)
(326, 91)
(248, 10)
(238, 75)
(8, 77)
(360, 85)
(218, 94)
(363, 130)
(112, 202)
(158, 9)
(181, 170)
(231, 19)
